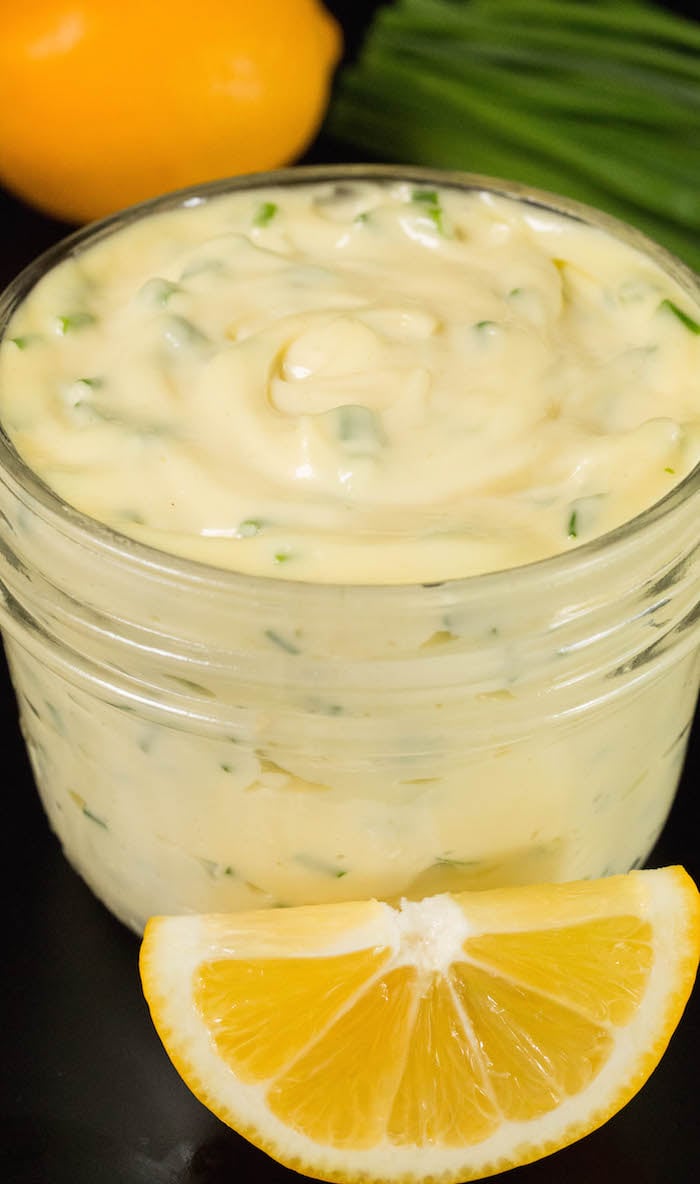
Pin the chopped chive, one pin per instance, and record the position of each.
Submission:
(94, 818)
(56, 718)
(313, 864)
(323, 707)
(482, 326)
(93, 383)
(572, 528)
(682, 316)
(84, 808)
(429, 199)
(668, 469)
(179, 332)
(282, 556)
(358, 428)
(362, 217)
(250, 527)
(214, 869)
(451, 861)
(159, 290)
(34, 710)
(146, 740)
(428, 196)
(265, 213)
(284, 644)
(226, 767)
(436, 215)
(72, 322)
(195, 687)
(25, 340)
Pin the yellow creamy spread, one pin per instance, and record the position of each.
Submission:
(357, 382)
(361, 383)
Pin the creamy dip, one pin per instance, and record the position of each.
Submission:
(350, 383)
(356, 383)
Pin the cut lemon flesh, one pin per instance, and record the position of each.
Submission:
(447, 1039)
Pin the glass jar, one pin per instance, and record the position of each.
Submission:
(209, 741)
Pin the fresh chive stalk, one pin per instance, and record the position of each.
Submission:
(597, 101)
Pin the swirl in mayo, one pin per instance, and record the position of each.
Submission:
(356, 382)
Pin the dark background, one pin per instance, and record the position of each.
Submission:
(87, 1095)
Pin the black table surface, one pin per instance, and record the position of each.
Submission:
(87, 1094)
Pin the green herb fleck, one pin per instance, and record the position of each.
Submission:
(84, 808)
(146, 741)
(323, 707)
(428, 196)
(313, 864)
(195, 688)
(430, 201)
(683, 317)
(226, 768)
(74, 321)
(159, 290)
(451, 861)
(668, 469)
(94, 818)
(265, 213)
(179, 332)
(25, 340)
(250, 527)
(93, 383)
(486, 326)
(282, 642)
(56, 718)
(358, 428)
(214, 869)
(362, 217)
(572, 528)
(283, 556)
(34, 710)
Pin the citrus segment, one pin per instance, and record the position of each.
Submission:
(310, 992)
(535, 1051)
(341, 1090)
(443, 1096)
(604, 987)
(443, 1040)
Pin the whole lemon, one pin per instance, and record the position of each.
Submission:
(107, 103)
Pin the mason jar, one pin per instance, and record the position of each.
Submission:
(204, 740)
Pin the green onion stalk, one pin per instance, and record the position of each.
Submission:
(592, 99)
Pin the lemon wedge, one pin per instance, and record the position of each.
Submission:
(446, 1039)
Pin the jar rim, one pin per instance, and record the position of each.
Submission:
(552, 568)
